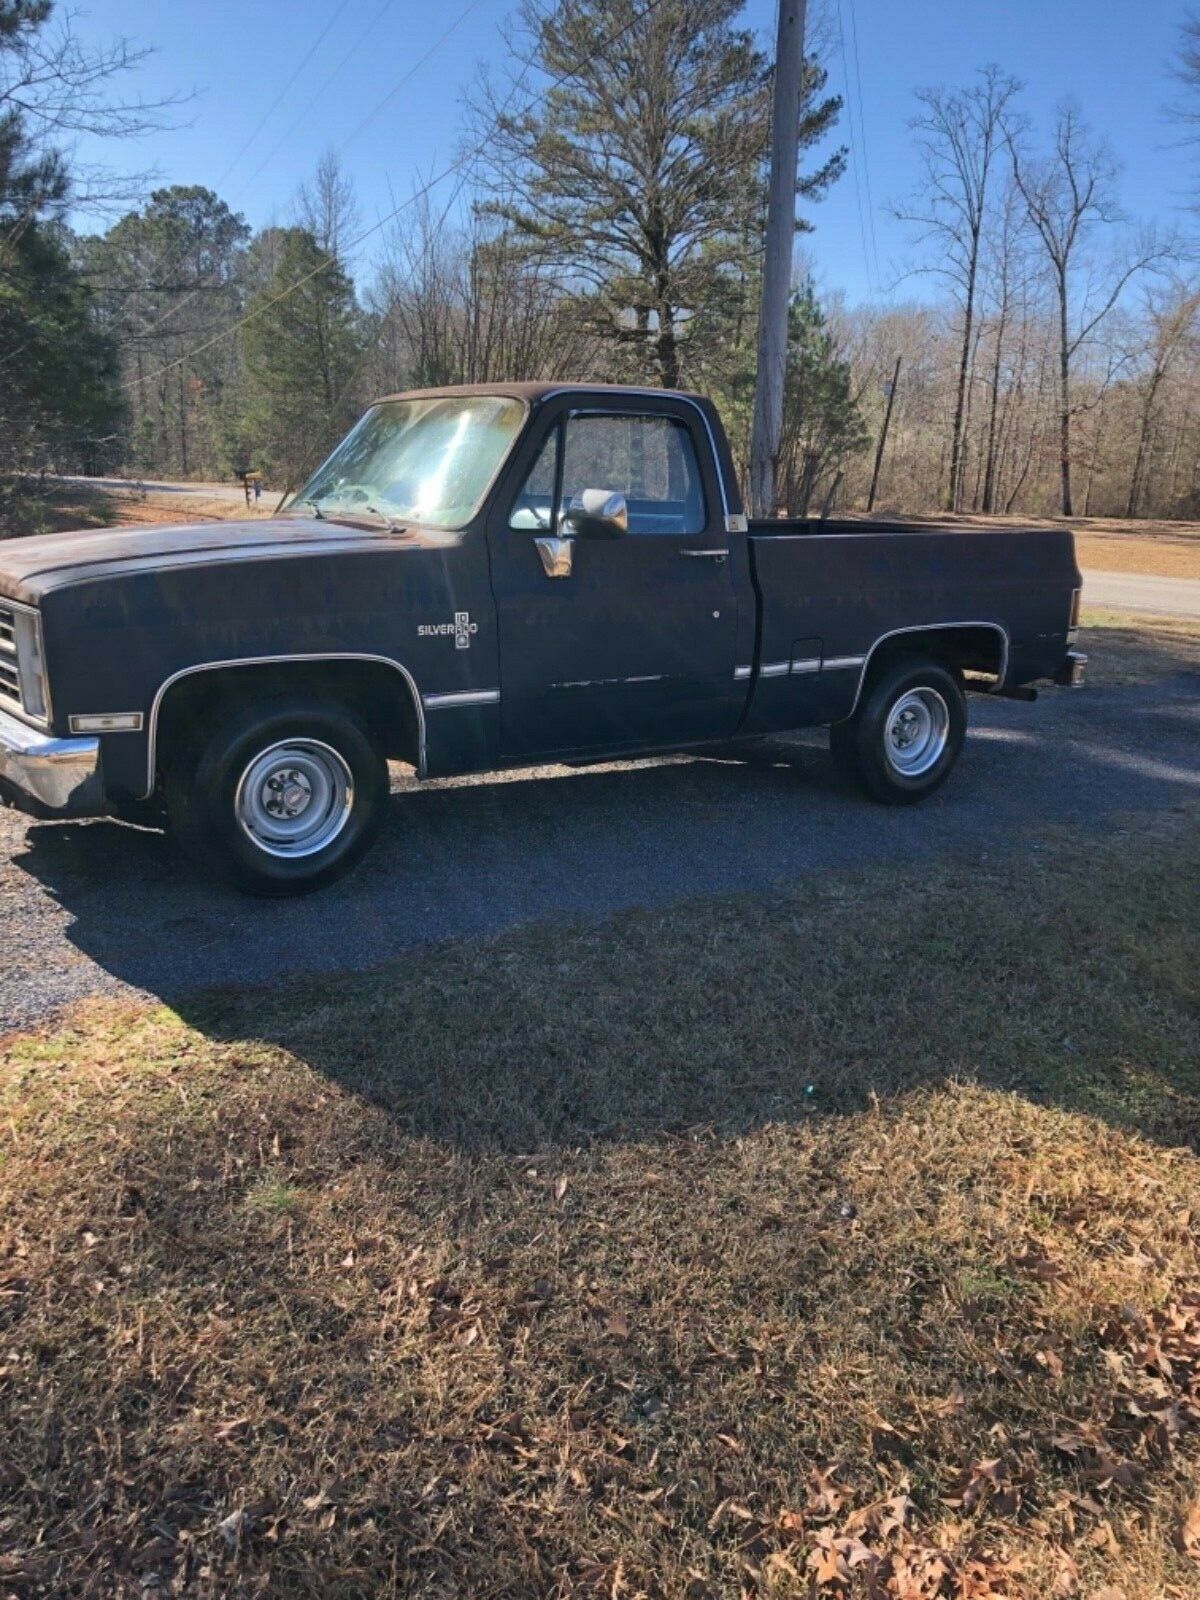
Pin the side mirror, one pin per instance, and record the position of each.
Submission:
(595, 514)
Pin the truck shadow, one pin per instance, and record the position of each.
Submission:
(555, 860)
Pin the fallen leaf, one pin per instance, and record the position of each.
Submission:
(1189, 1531)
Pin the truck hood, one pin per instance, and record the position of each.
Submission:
(31, 567)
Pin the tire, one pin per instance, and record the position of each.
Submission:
(902, 742)
(280, 797)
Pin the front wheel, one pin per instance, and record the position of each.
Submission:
(279, 798)
(907, 732)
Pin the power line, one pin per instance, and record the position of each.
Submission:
(271, 109)
(179, 305)
(855, 148)
(418, 194)
(411, 73)
(862, 142)
(316, 95)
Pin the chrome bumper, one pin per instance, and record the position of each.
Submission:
(48, 776)
(1070, 674)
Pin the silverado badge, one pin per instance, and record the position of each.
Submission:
(462, 628)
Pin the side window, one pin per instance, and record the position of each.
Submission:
(534, 505)
(650, 460)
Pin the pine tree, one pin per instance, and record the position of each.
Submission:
(641, 172)
(822, 423)
(301, 350)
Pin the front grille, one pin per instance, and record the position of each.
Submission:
(10, 683)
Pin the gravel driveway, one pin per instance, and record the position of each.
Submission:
(100, 907)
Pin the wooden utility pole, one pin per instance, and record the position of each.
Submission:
(767, 431)
(883, 433)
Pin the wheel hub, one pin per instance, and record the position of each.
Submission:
(295, 798)
(287, 794)
(905, 729)
(916, 732)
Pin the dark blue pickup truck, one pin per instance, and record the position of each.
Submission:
(487, 577)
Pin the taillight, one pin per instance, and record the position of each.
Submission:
(1073, 623)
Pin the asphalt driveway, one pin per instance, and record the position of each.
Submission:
(101, 907)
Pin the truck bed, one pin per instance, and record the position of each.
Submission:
(829, 593)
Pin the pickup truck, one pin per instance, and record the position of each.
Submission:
(493, 576)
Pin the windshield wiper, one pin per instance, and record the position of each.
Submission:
(394, 524)
(316, 507)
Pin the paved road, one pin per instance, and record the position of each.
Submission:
(1135, 591)
(232, 492)
(98, 906)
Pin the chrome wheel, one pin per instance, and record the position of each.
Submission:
(295, 798)
(916, 732)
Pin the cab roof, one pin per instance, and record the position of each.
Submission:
(533, 392)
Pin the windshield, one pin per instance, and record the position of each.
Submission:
(428, 461)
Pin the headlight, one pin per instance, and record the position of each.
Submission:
(31, 665)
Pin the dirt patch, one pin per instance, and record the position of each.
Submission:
(839, 1243)
(130, 509)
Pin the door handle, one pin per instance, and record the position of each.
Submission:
(706, 555)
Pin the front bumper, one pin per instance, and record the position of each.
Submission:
(49, 777)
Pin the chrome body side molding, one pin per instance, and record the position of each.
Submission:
(465, 697)
(929, 627)
(276, 661)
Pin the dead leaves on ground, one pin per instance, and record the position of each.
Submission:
(888, 1550)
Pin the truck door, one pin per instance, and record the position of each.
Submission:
(615, 643)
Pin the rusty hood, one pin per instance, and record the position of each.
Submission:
(30, 567)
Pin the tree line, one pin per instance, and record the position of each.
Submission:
(608, 227)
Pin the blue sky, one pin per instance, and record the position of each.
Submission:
(1113, 56)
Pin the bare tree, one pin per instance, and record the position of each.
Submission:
(1008, 281)
(960, 134)
(474, 305)
(1186, 110)
(327, 207)
(57, 87)
(1172, 325)
(1069, 195)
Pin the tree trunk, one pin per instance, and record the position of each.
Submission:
(1139, 460)
(666, 347)
(989, 474)
(954, 490)
(183, 440)
(1064, 401)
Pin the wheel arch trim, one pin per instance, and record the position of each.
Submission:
(276, 661)
(932, 627)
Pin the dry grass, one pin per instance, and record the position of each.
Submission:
(1130, 650)
(844, 1243)
(130, 509)
(1159, 549)
(63, 508)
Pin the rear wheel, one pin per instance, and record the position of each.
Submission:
(903, 740)
(279, 798)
